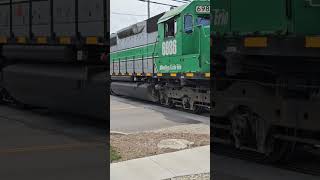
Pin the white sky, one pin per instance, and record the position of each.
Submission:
(135, 7)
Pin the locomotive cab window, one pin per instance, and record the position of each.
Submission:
(203, 21)
(188, 23)
(170, 28)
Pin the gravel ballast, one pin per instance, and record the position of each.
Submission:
(143, 144)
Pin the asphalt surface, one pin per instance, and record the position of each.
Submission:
(129, 115)
(40, 145)
(226, 168)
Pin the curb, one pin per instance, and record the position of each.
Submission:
(118, 132)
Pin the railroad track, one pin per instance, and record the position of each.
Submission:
(204, 114)
(300, 161)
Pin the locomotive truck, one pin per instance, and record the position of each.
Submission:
(165, 59)
(266, 74)
(50, 55)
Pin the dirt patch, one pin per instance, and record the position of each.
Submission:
(144, 144)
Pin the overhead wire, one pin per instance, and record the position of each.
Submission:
(155, 2)
(128, 14)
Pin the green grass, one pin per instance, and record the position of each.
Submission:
(114, 155)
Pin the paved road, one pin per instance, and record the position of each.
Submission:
(226, 168)
(38, 145)
(129, 115)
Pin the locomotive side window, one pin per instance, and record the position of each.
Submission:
(203, 21)
(170, 28)
(188, 24)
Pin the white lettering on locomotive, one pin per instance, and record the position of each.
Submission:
(169, 48)
(171, 67)
(221, 17)
(203, 9)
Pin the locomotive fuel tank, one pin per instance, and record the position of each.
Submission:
(77, 90)
(51, 55)
(141, 91)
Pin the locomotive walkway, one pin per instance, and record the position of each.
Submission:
(164, 166)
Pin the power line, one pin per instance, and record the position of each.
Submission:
(181, 1)
(128, 14)
(154, 2)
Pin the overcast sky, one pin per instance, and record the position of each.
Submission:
(128, 12)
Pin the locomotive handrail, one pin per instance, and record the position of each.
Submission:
(312, 4)
(154, 51)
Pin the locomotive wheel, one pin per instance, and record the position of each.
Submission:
(242, 130)
(245, 135)
(2, 97)
(197, 109)
(167, 102)
(162, 99)
(280, 152)
(278, 149)
(186, 103)
(5, 97)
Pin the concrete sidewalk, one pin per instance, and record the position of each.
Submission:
(163, 166)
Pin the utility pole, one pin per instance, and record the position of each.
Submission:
(148, 18)
(149, 9)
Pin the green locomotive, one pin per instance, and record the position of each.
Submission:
(165, 58)
(266, 74)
